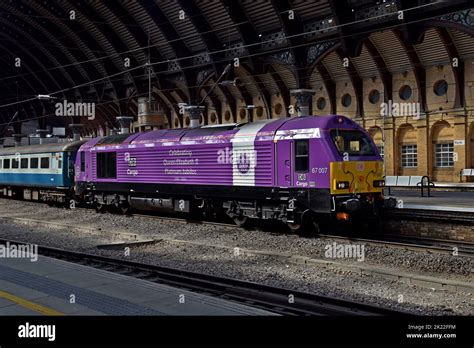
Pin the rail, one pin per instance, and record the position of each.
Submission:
(273, 299)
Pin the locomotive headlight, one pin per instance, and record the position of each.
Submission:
(379, 183)
(341, 185)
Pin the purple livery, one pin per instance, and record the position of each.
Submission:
(281, 169)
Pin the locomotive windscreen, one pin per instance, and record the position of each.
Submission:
(353, 142)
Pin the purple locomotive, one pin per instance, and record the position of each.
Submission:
(313, 168)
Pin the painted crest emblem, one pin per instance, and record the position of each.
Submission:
(243, 163)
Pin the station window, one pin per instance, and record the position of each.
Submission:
(441, 87)
(346, 100)
(409, 156)
(44, 162)
(106, 165)
(15, 163)
(34, 163)
(83, 161)
(405, 92)
(24, 163)
(381, 150)
(6, 163)
(444, 155)
(301, 155)
(321, 103)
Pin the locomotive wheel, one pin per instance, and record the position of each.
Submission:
(125, 209)
(100, 208)
(294, 227)
(240, 220)
(315, 224)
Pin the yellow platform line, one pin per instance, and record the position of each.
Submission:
(28, 304)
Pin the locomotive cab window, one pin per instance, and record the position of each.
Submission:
(107, 165)
(302, 155)
(354, 142)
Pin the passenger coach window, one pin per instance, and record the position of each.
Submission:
(83, 161)
(44, 162)
(301, 155)
(106, 165)
(34, 163)
(15, 163)
(24, 163)
(6, 163)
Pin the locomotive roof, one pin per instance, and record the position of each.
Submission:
(42, 148)
(222, 132)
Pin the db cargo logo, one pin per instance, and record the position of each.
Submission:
(243, 163)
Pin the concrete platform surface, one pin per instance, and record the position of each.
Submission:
(55, 287)
(440, 200)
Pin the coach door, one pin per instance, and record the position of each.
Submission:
(284, 155)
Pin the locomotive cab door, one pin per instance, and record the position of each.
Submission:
(284, 160)
(84, 165)
(300, 159)
(292, 162)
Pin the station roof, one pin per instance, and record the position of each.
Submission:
(97, 51)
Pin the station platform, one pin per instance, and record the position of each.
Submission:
(441, 199)
(55, 287)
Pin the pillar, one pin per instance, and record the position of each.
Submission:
(303, 100)
(125, 122)
(195, 112)
(18, 138)
(76, 131)
(390, 147)
(42, 135)
(461, 143)
(424, 147)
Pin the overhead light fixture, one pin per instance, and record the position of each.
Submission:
(45, 97)
(229, 82)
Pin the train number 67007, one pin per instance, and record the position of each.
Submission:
(322, 170)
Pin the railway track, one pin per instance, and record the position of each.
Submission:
(429, 245)
(426, 244)
(277, 300)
